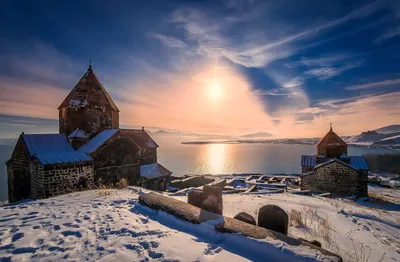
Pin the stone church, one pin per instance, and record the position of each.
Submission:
(332, 170)
(90, 150)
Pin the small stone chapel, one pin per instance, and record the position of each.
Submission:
(90, 150)
(332, 170)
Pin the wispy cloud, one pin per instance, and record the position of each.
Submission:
(327, 60)
(324, 73)
(390, 82)
(394, 32)
(210, 32)
(169, 41)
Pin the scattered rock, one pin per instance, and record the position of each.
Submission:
(212, 199)
(195, 198)
(243, 216)
(273, 217)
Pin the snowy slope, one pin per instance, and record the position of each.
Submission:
(110, 225)
(388, 129)
(393, 140)
(374, 226)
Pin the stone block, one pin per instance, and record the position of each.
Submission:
(245, 217)
(273, 217)
(212, 199)
(195, 198)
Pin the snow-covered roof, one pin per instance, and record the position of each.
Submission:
(308, 161)
(97, 141)
(154, 171)
(77, 133)
(357, 162)
(140, 138)
(65, 157)
(46, 143)
(52, 149)
(89, 90)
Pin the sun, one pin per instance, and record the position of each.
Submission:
(214, 90)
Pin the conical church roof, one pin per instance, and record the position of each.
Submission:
(89, 91)
(331, 139)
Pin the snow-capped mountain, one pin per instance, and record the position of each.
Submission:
(375, 136)
(388, 129)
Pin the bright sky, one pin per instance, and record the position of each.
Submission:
(225, 67)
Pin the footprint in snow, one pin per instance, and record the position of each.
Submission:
(212, 250)
(17, 236)
(145, 244)
(23, 250)
(72, 233)
(71, 225)
(155, 255)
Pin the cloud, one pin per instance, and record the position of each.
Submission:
(257, 47)
(322, 61)
(169, 41)
(351, 116)
(388, 35)
(390, 82)
(324, 73)
(297, 81)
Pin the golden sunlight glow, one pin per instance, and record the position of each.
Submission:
(215, 90)
(216, 157)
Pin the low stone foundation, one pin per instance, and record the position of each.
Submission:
(54, 180)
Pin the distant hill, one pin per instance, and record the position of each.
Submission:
(385, 134)
(388, 129)
(392, 140)
(163, 132)
(259, 134)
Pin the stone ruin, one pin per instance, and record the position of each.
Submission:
(209, 199)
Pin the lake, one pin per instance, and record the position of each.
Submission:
(217, 158)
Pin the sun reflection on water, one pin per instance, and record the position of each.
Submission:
(216, 158)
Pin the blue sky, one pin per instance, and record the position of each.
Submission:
(284, 67)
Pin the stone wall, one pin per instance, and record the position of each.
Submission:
(110, 176)
(53, 180)
(148, 156)
(160, 184)
(331, 151)
(335, 178)
(363, 183)
(305, 169)
(19, 173)
(89, 118)
(116, 159)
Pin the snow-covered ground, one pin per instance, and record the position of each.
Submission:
(342, 226)
(110, 225)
